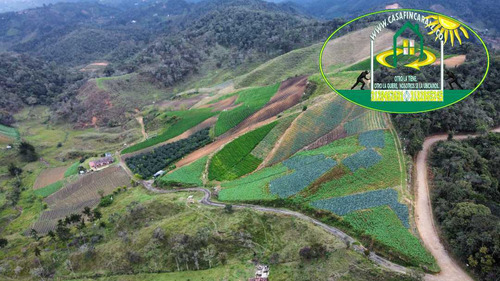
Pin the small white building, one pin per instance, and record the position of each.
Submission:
(159, 173)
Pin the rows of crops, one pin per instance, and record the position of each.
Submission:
(369, 120)
(347, 204)
(339, 149)
(306, 170)
(72, 170)
(49, 189)
(267, 144)
(384, 226)
(49, 176)
(371, 139)
(253, 186)
(187, 119)
(187, 175)
(9, 132)
(148, 163)
(379, 176)
(251, 100)
(311, 125)
(75, 196)
(363, 159)
(235, 160)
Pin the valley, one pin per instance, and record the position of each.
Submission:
(208, 143)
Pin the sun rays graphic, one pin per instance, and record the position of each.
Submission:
(448, 27)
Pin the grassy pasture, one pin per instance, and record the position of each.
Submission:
(9, 132)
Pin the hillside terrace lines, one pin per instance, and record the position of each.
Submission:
(205, 124)
(288, 95)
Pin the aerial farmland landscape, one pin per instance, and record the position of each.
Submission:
(236, 140)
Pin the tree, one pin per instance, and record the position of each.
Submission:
(96, 215)
(109, 70)
(3, 242)
(27, 152)
(228, 208)
(14, 170)
(34, 234)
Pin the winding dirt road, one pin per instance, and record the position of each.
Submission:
(330, 229)
(450, 269)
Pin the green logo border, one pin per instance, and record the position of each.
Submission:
(395, 10)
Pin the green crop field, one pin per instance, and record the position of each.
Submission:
(253, 186)
(384, 174)
(294, 63)
(49, 189)
(9, 132)
(251, 100)
(188, 119)
(338, 149)
(72, 170)
(187, 175)
(235, 160)
(383, 224)
(265, 146)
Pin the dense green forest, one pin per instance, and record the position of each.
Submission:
(466, 200)
(25, 80)
(478, 112)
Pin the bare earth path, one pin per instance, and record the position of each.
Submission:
(450, 270)
(330, 229)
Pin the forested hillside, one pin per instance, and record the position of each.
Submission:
(478, 112)
(466, 200)
(25, 80)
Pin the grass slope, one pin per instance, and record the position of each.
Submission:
(49, 189)
(187, 120)
(72, 170)
(251, 100)
(235, 160)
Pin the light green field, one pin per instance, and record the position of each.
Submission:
(9, 132)
(253, 186)
(251, 100)
(187, 175)
(234, 159)
(294, 63)
(383, 224)
(49, 189)
(384, 174)
(72, 170)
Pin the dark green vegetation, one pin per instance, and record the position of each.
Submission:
(466, 200)
(148, 163)
(28, 81)
(176, 123)
(251, 100)
(485, 12)
(235, 160)
(476, 113)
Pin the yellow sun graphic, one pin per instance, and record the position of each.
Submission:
(448, 27)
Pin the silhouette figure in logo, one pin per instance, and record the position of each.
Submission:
(361, 79)
(452, 79)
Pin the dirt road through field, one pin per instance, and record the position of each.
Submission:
(450, 270)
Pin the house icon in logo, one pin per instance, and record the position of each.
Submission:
(408, 44)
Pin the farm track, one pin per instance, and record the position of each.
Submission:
(330, 229)
(424, 218)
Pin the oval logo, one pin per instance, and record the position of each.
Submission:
(404, 61)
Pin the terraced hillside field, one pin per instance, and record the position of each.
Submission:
(84, 192)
